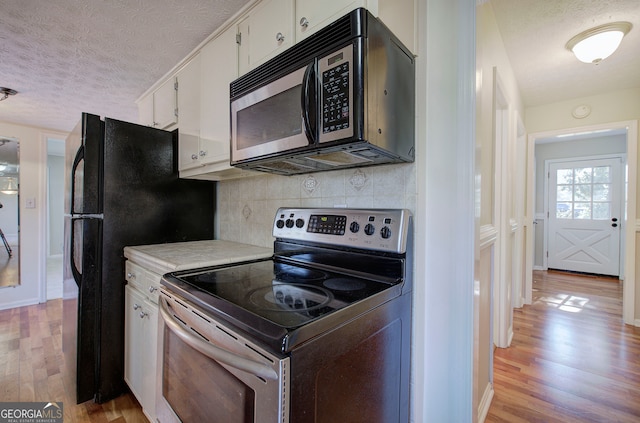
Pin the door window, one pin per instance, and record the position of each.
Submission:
(584, 193)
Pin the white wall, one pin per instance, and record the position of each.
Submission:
(498, 249)
(33, 156)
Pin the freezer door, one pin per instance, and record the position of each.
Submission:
(84, 149)
(81, 302)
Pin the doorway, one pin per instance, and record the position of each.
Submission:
(535, 197)
(54, 217)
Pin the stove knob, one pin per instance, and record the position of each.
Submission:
(289, 223)
(385, 232)
(299, 223)
(354, 227)
(369, 229)
(280, 223)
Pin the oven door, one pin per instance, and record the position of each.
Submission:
(210, 373)
(275, 118)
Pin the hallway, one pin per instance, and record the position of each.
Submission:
(571, 359)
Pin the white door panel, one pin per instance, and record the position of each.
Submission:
(584, 216)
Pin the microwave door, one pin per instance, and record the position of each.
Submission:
(269, 120)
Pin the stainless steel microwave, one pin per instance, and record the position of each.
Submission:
(343, 97)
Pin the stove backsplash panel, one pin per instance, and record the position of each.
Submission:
(246, 207)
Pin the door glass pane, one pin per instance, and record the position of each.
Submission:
(601, 192)
(602, 174)
(582, 211)
(582, 175)
(583, 192)
(564, 176)
(564, 193)
(564, 210)
(601, 211)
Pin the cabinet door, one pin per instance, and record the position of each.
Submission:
(267, 31)
(189, 96)
(133, 341)
(311, 15)
(149, 357)
(164, 105)
(399, 16)
(145, 111)
(219, 66)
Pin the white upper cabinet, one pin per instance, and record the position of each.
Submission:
(189, 95)
(195, 99)
(159, 108)
(219, 67)
(312, 15)
(265, 32)
(399, 16)
(164, 105)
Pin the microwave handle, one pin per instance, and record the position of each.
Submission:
(308, 102)
(215, 353)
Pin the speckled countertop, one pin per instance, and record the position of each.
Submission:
(164, 258)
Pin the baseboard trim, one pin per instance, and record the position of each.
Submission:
(485, 403)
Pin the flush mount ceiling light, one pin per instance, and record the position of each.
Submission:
(596, 44)
(6, 92)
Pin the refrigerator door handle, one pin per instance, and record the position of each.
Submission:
(76, 161)
(77, 275)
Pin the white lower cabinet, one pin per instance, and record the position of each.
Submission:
(140, 331)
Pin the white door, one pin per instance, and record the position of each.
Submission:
(584, 216)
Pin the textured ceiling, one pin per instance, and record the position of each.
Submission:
(65, 57)
(535, 33)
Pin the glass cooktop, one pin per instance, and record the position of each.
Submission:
(285, 294)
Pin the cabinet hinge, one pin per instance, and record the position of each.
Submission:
(175, 112)
(239, 39)
(175, 85)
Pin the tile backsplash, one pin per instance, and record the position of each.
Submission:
(246, 207)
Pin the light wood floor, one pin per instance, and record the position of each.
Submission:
(32, 366)
(572, 359)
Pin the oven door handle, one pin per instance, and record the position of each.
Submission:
(215, 353)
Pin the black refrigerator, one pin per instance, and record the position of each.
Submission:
(122, 188)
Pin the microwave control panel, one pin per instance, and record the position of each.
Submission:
(336, 102)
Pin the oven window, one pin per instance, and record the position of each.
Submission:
(198, 389)
(274, 118)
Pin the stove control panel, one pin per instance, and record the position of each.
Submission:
(371, 229)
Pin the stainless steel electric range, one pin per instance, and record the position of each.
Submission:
(319, 332)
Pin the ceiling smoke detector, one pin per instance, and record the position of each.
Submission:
(596, 44)
(6, 92)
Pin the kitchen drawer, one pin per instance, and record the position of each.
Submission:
(153, 287)
(136, 276)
